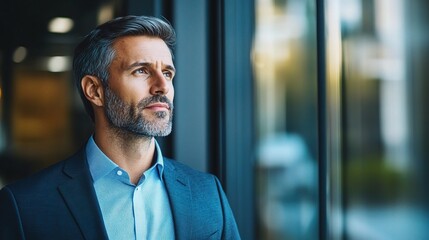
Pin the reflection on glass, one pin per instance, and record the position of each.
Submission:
(41, 117)
(384, 198)
(284, 60)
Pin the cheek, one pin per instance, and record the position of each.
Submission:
(170, 94)
(170, 90)
(138, 90)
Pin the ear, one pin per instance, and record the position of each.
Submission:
(93, 89)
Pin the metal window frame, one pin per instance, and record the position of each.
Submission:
(330, 119)
(238, 26)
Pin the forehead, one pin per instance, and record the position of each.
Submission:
(130, 49)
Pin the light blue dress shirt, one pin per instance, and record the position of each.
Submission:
(131, 211)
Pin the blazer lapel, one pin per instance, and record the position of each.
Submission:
(79, 195)
(179, 193)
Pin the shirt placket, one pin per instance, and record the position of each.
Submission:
(139, 213)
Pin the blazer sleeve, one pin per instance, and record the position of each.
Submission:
(230, 229)
(10, 222)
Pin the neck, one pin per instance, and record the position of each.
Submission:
(131, 152)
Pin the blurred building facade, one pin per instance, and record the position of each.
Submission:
(311, 112)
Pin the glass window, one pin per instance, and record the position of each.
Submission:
(385, 143)
(42, 118)
(285, 72)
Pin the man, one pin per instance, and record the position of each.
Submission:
(119, 186)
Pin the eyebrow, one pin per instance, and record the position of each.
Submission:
(148, 64)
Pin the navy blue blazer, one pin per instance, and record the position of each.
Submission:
(60, 203)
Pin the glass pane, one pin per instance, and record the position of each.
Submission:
(284, 61)
(385, 46)
(42, 118)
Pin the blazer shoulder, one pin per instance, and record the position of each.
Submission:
(201, 184)
(186, 170)
(44, 179)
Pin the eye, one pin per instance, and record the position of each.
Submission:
(168, 75)
(140, 71)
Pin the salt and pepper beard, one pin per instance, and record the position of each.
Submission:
(128, 118)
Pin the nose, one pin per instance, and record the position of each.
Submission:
(159, 84)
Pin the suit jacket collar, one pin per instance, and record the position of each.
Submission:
(179, 193)
(79, 195)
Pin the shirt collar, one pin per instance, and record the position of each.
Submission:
(100, 165)
(159, 161)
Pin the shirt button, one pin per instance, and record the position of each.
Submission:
(119, 172)
(137, 188)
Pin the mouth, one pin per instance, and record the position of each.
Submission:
(158, 106)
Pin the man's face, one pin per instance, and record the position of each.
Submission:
(139, 96)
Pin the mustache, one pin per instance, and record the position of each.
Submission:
(154, 99)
